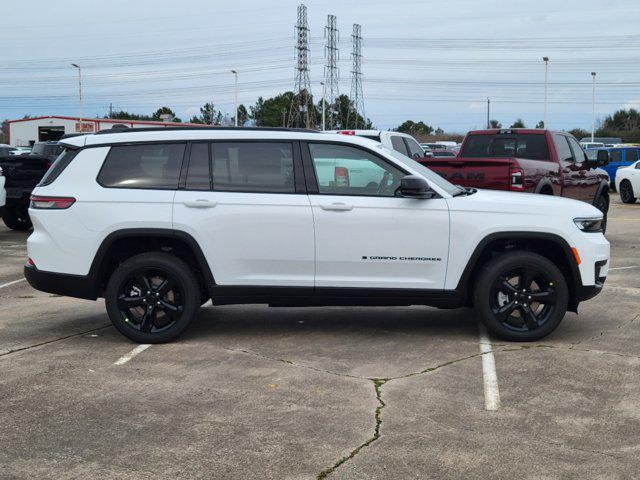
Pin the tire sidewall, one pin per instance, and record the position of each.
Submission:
(503, 263)
(627, 195)
(162, 261)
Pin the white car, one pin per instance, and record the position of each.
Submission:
(157, 222)
(21, 151)
(628, 182)
(3, 192)
(400, 142)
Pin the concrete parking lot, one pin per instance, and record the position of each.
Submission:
(340, 393)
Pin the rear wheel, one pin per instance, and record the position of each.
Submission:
(16, 217)
(626, 192)
(152, 297)
(521, 296)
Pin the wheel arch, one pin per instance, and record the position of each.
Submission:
(549, 245)
(122, 244)
(545, 187)
(603, 189)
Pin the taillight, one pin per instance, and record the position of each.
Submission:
(341, 176)
(516, 179)
(30, 263)
(51, 203)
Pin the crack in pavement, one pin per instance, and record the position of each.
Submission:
(622, 325)
(29, 347)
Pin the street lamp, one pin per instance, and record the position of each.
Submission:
(79, 94)
(593, 106)
(546, 65)
(323, 106)
(236, 94)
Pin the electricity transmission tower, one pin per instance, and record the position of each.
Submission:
(331, 73)
(357, 96)
(302, 112)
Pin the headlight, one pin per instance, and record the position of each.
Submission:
(589, 224)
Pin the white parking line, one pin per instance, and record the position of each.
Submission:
(125, 358)
(489, 375)
(625, 268)
(8, 284)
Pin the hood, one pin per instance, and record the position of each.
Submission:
(522, 203)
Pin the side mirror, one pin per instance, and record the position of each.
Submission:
(413, 186)
(603, 158)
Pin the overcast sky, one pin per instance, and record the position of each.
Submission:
(435, 61)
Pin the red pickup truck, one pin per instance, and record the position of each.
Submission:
(527, 160)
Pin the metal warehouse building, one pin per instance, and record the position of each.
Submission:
(27, 131)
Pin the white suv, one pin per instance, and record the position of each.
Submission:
(159, 221)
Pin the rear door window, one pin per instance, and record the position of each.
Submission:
(150, 166)
(258, 167)
(398, 145)
(631, 155)
(562, 147)
(199, 174)
(615, 156)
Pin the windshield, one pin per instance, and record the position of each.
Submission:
(430, 175)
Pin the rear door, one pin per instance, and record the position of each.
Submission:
(244, 202)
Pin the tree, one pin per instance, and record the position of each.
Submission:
(4, 131)
(208, 115)
(272, 112)
(124, 115)
(344, 114)
(518, 124)
(495, 124)
(243, 116)
(540, 124)
(623, 120)
(579, 133)
(414, 128)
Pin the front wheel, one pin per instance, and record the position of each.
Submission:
(602, 204)
(152, 297)
(521, 296)
(627, 194)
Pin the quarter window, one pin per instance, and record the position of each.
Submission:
(345, 170)
(615, 155)
(415, 150)
(198, 175)
(632, 155)
(258, 167)
(154, 166)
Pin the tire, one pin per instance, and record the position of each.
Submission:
(16, 217)
(509, 312)
(602, 204)
(152, 297)
(627, 195)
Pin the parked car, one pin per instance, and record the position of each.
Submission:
(434, 146)
(6, 150)
(398, 141)
(21, 151)
(619, 157)
(21, 175)
(528, 160)
(159, 221)
(590, 145)
(628, 182)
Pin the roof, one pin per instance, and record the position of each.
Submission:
(174, 134)
(101, 120)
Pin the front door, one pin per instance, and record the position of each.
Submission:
(366, 236)
(241, 202)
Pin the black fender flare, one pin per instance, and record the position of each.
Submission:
(464, 283)
(603, 188)
(545, 182)
(97, 265)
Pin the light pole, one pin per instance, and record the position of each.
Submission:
(236, 94)
(323, 106)
(593, 106)
(546, 65)
(488, 114)
(79, 94)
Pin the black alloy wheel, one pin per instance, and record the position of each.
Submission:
(626, 192)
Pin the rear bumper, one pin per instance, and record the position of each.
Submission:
(78, 286)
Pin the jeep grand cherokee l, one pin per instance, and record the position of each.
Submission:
(157, 222)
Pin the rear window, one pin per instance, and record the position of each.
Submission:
(528, 146)
(58, 167)
(154, 166)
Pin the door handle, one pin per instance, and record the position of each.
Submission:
(200, 204)
(337, 206)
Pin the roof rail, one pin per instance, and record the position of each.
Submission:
(205, 127)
